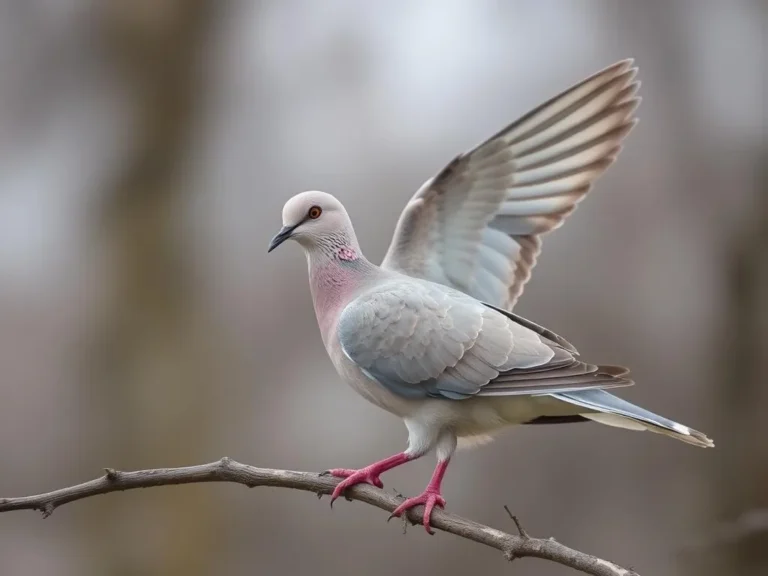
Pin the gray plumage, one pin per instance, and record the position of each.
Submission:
(425, 340)
(477, 225)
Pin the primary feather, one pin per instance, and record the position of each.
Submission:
(476, 225)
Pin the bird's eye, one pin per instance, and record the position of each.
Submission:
(315, 212)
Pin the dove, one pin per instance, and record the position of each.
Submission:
(429, 335)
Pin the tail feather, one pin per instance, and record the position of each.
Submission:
(611, 410)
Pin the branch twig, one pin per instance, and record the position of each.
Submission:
(228, 470)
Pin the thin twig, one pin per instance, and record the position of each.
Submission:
(523, 534)
(228, 470)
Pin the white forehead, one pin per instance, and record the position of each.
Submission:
(295, 209)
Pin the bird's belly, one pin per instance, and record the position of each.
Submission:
(484, 416)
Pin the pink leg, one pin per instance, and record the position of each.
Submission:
(431, 496)
(367, 475)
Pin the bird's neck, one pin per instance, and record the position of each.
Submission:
(335, 278)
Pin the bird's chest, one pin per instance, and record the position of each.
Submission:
(333, 286)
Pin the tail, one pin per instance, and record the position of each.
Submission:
(608, 409)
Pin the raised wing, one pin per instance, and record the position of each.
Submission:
(424, 340)
(476, 225)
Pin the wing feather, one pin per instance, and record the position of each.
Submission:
(476, 225)
(420, 339)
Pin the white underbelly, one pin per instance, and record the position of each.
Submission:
(484, 416)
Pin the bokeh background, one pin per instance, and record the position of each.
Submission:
(146, 150)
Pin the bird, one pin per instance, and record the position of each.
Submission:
(429, 335)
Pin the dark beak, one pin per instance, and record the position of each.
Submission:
(280, 237)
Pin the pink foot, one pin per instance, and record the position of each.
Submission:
(429, 498)
(347, 472)
(368, 475)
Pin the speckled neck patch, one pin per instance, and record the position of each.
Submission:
(346, 253)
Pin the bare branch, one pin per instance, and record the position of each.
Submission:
(228, 470)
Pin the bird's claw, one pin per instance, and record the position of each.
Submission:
(340, 472)
(352, 478)
(429, 499)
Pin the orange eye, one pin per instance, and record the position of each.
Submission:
(315, 212)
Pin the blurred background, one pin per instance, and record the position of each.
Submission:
(146, 150)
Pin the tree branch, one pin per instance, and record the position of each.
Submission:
(228, 470)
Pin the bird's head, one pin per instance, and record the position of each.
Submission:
(314, 219)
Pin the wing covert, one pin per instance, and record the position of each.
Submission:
(423, 340)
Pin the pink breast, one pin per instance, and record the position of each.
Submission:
(333, 286)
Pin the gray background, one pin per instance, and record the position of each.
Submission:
(146, 150)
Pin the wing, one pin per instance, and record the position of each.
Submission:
(476, 225)
(424, 340)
